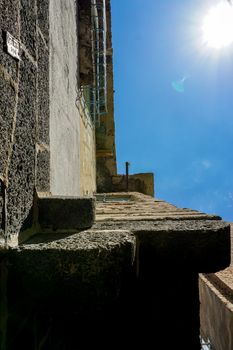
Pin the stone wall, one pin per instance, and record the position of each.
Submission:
(40, 122)
(24, 112)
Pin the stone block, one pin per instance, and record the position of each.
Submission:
(43, 170)
(22, 164)
(28, 26)
(43, 18)
(62, 214)
(43, 93)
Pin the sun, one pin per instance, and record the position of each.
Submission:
(218, 26)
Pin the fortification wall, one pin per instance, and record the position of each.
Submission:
(40, 122)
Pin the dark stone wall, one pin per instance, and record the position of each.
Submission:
(85, 43)
(24, 112)
(105, 131)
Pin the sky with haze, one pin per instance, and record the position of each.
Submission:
(174, 102)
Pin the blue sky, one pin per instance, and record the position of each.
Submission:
(185, 138)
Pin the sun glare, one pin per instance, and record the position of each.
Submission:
(218, 26)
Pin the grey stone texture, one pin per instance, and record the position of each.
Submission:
(42, 170)
(42, 92)
(7, 104)
(77, 261)
(28, 22)
(9, 11)
(43, 18)
(42, 126)
(74, 281)
(1, 210)
(22, 164)
(200, 245)
(63, 214)
(24, 110)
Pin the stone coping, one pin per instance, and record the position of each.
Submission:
(143, 207)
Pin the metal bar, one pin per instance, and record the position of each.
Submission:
(127, 175)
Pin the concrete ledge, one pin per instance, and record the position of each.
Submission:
(199, 245)
(63, 214)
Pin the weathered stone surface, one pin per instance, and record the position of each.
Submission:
(43, 93)
(85, 43)
(28, 25)
(22, 165)
(7, 110)
(65, 213)
(9, 11)
(167, 235)
(64, 115)
(78, 276)
(103, 175)
(87, 155)
(216, 313)
(83, 256)
(43, 18)
(42, 170)
(83, 270)
(140, 207)
(1, 211)
(200, 245)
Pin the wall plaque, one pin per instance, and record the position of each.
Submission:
(12, 46)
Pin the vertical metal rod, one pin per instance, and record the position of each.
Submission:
(127, 175)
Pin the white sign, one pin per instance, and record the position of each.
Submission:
(12, 45)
